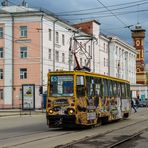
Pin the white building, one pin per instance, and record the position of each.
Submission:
(103, 54)
(122, 57)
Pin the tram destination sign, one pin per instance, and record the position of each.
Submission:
(28, 96)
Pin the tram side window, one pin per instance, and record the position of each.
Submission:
(98, 87)
(105, 84)
(123, 92)
(118, 89)
(80, 86)
(110, 86)
(114, 88)
(127, 87)
(90, 86)
(128, 90)
(102, 82)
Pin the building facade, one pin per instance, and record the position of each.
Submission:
(34, 42)
(113, 56)
(122, 57)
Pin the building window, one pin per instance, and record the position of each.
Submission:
(23, 31)
(50, 34)
(23, 52)
(49, 54)
(104, 46)
(104, 61)
(57, 37)
(63, 57)
(116, 50)
(63, 39)
(57, 56)
(1, 74)
(1, 53)
(23, 73)
(1, 94)
(1, 32)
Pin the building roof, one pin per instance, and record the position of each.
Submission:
(138, 28)
(88, 21)
(13, 9)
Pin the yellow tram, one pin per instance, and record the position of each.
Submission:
(85, 99)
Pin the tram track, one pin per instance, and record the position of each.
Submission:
(38, 139)
(125, 140)
(33, 140)
(10, 137)
(111, 145)
(55, 134)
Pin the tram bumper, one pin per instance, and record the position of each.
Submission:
(60, 120)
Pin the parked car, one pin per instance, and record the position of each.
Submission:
(143, 103)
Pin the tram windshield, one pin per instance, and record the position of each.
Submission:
(61, 85)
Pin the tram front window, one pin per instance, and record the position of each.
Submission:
(61, 85)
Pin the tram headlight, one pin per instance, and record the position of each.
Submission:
(50, 111)
(70, 111)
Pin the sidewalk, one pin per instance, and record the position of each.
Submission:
(14, 112)
(20, 112)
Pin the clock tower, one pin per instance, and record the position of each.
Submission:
(138, 35)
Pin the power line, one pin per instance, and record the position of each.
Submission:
(112, 13)
(135, 2)
(101, 11)
(109, 15)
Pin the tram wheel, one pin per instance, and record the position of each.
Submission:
(104, 120)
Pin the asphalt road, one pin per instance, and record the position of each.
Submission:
(31, 131)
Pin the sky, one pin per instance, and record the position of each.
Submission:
(117, 17)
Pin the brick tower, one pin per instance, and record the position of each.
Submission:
(138, 35)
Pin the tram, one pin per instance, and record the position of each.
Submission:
(85, 99)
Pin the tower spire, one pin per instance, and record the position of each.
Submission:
(138, 35)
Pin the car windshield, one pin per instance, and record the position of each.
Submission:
(61, 85)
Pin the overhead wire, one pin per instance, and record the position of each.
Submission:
(101, 11)
(121, 4)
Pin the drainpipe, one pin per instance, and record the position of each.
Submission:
(110, 38)
(12, 60)
(54, 22)
(42, 70)
(93, 56)
(94, 40)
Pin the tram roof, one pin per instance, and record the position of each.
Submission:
(85, 73)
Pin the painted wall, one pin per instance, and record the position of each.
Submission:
(31, 63)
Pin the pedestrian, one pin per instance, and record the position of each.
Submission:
(137, 103)
(133, 104)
